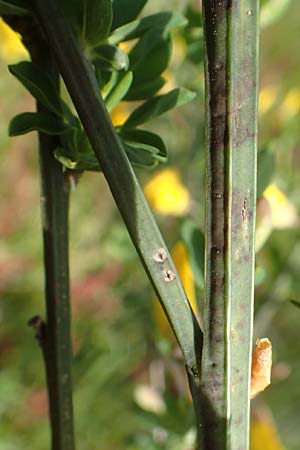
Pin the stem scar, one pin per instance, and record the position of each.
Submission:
(168, 275)
(244, 210)
(160, 255)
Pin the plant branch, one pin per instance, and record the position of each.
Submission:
(231, 49)
(84, 91)
(54, 336)
(55, 205)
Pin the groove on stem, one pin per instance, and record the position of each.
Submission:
(231, 40)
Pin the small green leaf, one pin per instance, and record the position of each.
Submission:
(165, 21)
(139, 157)
(265, 170)
(38, 84)
(13, 7)
(146, 140)
(45, 123)
(195, 242)
(143, 148)
(73, 161)
(125, 11)
(109, 57)
(145, 90)
(150, 56)
(159, 105)
(118, 92)
(90, 20)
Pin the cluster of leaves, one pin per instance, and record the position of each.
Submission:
(99, 28)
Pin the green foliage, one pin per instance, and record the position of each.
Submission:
(110, 57)
(163, 23)
(121, 76)
(38, 84)
(145, 90)
(90, 21)
(124, 11)
(140, 143)
(159, 105)
(17, 7)
(118, 88)
(44, 122)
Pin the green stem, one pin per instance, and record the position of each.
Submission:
(231, 49)
(125, 188)
(54, 336)
(57, 345)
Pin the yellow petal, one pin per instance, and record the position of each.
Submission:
(284, 213)
(11, 47)
(170, 82)
(263, 434)
(267, 97)
(166, 193)
(181, 260)
(119, 114)
(290, 105)
(261, 366)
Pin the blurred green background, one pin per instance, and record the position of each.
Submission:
(130, 391)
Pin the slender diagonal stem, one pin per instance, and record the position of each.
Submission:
(84, 91)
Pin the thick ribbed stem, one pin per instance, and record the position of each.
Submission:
(231, 49)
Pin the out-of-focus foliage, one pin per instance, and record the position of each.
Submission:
(130, 386)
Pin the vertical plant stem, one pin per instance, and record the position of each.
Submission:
(144, 232)
(54, 336)
(57, 346)
(231, 49)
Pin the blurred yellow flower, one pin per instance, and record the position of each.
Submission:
(119, 114)
(181, 260)
(263, 434)
(11, 47)
(267, 98)
(290, 105)
(170, 82)
(179, 49)
(284, 213)
(166, 193)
